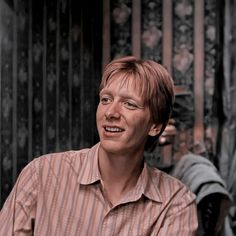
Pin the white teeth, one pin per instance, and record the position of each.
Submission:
(113, 129)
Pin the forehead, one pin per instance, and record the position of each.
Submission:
(127, 81)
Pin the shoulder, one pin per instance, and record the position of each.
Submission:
(67, 156)
(56, 163)
(70, 158)
(178, 204)
(52, 171)
(170, 188)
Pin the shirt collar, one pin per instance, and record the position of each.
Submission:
(147, 184)
(89, 172)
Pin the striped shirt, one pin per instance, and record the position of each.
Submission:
(61, 194)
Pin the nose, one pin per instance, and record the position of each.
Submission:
(113, 111)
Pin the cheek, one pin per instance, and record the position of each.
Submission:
(141, 124)
(100, 113)
(145, 123)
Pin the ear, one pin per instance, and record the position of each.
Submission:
(154, 130)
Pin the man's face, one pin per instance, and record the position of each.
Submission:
(123, 121)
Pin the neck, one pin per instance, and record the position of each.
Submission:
(119, 172)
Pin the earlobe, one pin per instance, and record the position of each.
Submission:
(154, 130)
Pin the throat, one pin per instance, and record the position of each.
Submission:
(117, 182)
(114, 192)
(119, 173)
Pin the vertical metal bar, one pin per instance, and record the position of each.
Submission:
(167, 35)
(82, 98)
(167, 60)
(14, 94)
(30, 87)
(198, 133)
(106, 54)
(57, 76)
(1, 7)
(44, 77)
(136, 28)
(70, 75)
(226, 61)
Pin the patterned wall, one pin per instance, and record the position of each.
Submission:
(50, 67)
(151, 28)
(199, 37)
(182, 62)
(51, 63)
(121, 28)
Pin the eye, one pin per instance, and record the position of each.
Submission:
(130, 105)
(105, 100)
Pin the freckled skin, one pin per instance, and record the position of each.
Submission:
(114, 110)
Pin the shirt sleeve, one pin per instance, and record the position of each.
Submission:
(18, 213)
(181, 218)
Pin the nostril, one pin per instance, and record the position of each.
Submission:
(112, 114)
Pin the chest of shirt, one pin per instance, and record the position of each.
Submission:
(83, 210)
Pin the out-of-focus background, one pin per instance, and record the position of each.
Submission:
(52, 54)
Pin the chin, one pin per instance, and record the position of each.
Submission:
(112, 146)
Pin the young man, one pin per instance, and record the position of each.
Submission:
(108, 189)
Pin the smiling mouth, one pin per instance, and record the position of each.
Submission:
(113, 129)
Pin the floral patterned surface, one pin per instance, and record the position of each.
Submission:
(183, 42)
(183, 71)
(7, 101)
(121, 28)
(210, 70)
(49, 65)
(151, 38)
